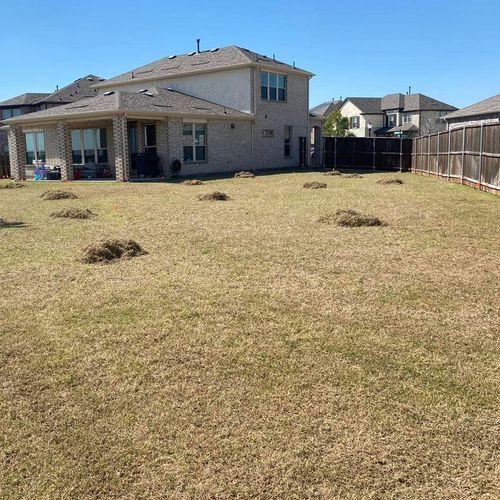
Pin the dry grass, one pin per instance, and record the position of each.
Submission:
(350, 218)
(244, 174)
(58, 194)
(109, 250)
(193, 182)
(215, 196)
(252, 353)
(354, 175)
(332, 172)
(314, 185)
(73, 213)
(390, 181)
(12, 185)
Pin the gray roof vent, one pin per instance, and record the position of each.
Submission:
(110, 92)
(214, 49)
(142, 91)
(149, 94)
(171, 57)
(90, 79)
(101, 79)
(191, 53)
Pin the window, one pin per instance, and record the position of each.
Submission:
(267, 133)
(272, 86)
(392, 120)
(354, 122)
(10, 113)
(35, 147)
(150, 138)
(288, 140)
(89, 145)
(194, 140)
(407, 118)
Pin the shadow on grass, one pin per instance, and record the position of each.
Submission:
(7, 225)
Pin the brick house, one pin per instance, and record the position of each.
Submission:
(484, 112)
(211, 111)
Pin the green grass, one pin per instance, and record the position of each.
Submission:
(253, 352)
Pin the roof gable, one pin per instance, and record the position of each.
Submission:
(366, 105)
(484, 107)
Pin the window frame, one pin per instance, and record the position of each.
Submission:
(36, 149)
(150, 148)
(83, 148)
(407, 118)
(392, 115)
(193, 145)
(354, 122)
(287, 142)
(12, 112)
(276, 87)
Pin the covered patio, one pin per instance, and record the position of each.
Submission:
(115, 136)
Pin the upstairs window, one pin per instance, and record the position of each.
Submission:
(10, 113)
(89, 145)
(272, 86)
(150, 138)
(407, 118)
(392, 120)
(35, 147)
(354, 122)
(194, 141)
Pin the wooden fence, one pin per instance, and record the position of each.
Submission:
(4, 166)
(468, 155)
(374, 153)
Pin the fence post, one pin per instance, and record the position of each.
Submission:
(429, 155)
(400, 154)
(374, 155)
(449, 153)
(335, 153)
(463, 156)
(479, 184)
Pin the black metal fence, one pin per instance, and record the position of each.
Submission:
(468, 155)
(375, 153)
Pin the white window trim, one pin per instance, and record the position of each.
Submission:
(82, 147)
(277, 87)
(193, 135)
(146, 145)
(35, 143)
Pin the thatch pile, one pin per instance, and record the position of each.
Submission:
(244, 174)
(58, 194)
(215, 196)
(314, 185)
(73, 213)
(109, 250)
(390, 181)
(192, 182)
(352, 176)
(12, 185)
(350, 218)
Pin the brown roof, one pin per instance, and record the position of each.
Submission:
(155, 101)
(414, 102)
(24, 99)
(484, 107)
(194, 62)
(74, 91)
(325, 108)
(367, 105)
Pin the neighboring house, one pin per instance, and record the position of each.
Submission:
(32, 102)
(209, 111)
(364, 114)
(412, 115)
(317, 116)
(486, 111)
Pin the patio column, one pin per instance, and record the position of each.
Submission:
(64, 150)
(17, 153)
(120, 139)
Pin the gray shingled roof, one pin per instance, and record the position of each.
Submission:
(155, 101)
(367, 105)
(393, 101)
(484, 107)
(325, 108)
(206, 60)
(24, 99)
(74, 91)
(414, 102)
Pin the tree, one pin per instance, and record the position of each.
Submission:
(336, 125)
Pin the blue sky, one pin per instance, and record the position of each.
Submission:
(447, 49)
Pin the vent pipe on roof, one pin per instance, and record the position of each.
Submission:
(57, 88)
(198, 45)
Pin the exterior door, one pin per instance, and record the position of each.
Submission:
(302, 151)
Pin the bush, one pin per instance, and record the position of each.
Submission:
(215, 196)
(109, 250)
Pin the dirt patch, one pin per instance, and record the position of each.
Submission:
(73, 213)
(314, 185)
(390, 181)
(244, 174)
(193, 182)
(215, 196)
(58, 194)
(12, 185)
(332, 172)
(350, 218)
(109, 250)
(352, 176)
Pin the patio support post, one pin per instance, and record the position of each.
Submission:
(17, 153)
(122, 159)
(64, 148)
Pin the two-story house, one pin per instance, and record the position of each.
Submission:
(364, 114)
(210, 111)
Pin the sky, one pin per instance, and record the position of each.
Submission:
(449, 50)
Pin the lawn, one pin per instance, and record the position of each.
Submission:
(253, 352)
